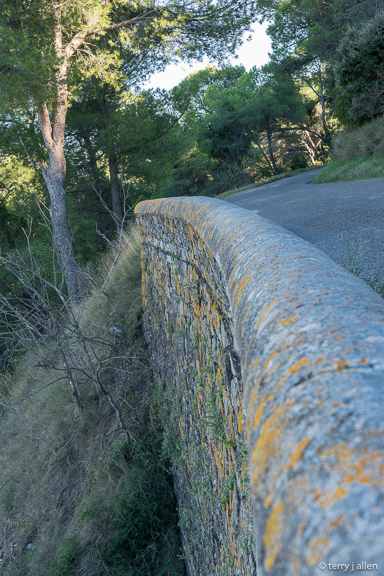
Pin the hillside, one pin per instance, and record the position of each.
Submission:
(85, 489)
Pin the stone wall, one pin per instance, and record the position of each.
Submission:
(248, 324)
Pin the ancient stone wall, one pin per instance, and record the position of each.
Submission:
(261, 344)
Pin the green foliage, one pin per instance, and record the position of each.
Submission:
(353, 143)
(51, 52)
(88, 243)
(192, 174)
(30, 58)
(136, 131)
(334, 49)
(359, 68)
(240, 125)
(139, 533)
(19, 191)
(312, 29)
(137, 524)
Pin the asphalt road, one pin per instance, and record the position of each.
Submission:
(344, 219)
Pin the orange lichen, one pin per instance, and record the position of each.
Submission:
(358, 472)
(341, 451)
(240, 423)
(295, 456)
(241, 287)
(287, 321)
(268, 500)
(272, 535)
(264, 313)
(336, 522)
(366, 470)
(298, 365)
(268, 444)
(259, 415)
(338, 494)
(341, 364)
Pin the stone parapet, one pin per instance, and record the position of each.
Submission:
(255, 332)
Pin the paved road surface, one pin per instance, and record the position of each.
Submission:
(323, 213)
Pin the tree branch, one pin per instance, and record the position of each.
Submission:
(45, 126)
(304, 129)
(125, 23)
(79, 38)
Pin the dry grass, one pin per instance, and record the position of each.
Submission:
(75, 497)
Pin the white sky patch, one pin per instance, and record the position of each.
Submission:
(251, 53)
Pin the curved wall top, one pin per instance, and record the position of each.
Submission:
(310, 337)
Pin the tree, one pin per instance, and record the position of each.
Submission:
(306, 36)
(253, 110)
(48, 48)
(359, 71)
(312, 28)
(99, 111)
(213, 158)
(222, 132)
(133, 136)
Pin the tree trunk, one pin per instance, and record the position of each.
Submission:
(327, 136)
(310, 146)
(264, 156)
(270, 149)
(54, 175)
(112, 164)
(10, 241)
(114, 177)
(91, 156)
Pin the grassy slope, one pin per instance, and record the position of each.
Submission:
(355, 169)
(75, 498)
(358, 154)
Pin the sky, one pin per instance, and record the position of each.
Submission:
(251, 53)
